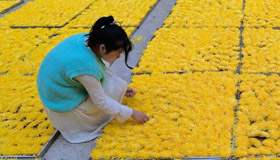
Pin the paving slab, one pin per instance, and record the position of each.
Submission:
(61, 149)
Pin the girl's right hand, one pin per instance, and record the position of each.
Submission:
(139, 116)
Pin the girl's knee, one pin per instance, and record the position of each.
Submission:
(115, 87)
(123, 83)
(120, 84)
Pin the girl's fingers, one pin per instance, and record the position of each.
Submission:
(131, 91)
(144, 120)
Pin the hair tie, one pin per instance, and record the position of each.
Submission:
(112, 23)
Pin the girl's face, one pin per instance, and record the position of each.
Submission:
(111, 56)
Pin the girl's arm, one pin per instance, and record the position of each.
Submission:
(106, 103)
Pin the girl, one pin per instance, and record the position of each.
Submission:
(79, 91)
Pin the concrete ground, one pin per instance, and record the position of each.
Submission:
(61, 149)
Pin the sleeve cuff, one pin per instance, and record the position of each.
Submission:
(125, 114)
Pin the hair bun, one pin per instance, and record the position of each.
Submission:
(110, 20)
(104, 21)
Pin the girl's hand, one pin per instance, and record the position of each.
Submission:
(130, 92)
(139, 116)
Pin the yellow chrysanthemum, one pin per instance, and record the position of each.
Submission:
(185, 116)
(258, 115)
(205, 13)
(261, 51)
(191, 49)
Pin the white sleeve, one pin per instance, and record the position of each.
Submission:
(102, 101)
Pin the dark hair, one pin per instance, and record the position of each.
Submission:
(106, 31)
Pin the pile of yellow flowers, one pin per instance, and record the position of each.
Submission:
(262, 13)
(205, 13)
(190, 115)
(17, 45)
(126, 12)
(191, 49)
(24, 125)
(261, 50)
(197, 114)
(258, 128)
(7, 4)
(45, 13)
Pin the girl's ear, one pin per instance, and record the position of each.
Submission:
(102, 49)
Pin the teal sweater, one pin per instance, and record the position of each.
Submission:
(70, 58)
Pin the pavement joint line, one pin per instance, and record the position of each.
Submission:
(180, 72)
(28, 74)
(236, 108)
(241, 40)
(183, 158)
(19, 157)
(3, 73)
(266, 74)
(260, 156)
(28, 27)
(88, 27)
(201, 26)
(256, 27)
(209, 71)
(48, 144)
(184, 72)
(203, 158)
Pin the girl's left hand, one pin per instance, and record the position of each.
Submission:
(130, 92)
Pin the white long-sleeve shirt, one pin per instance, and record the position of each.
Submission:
(103, 101)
